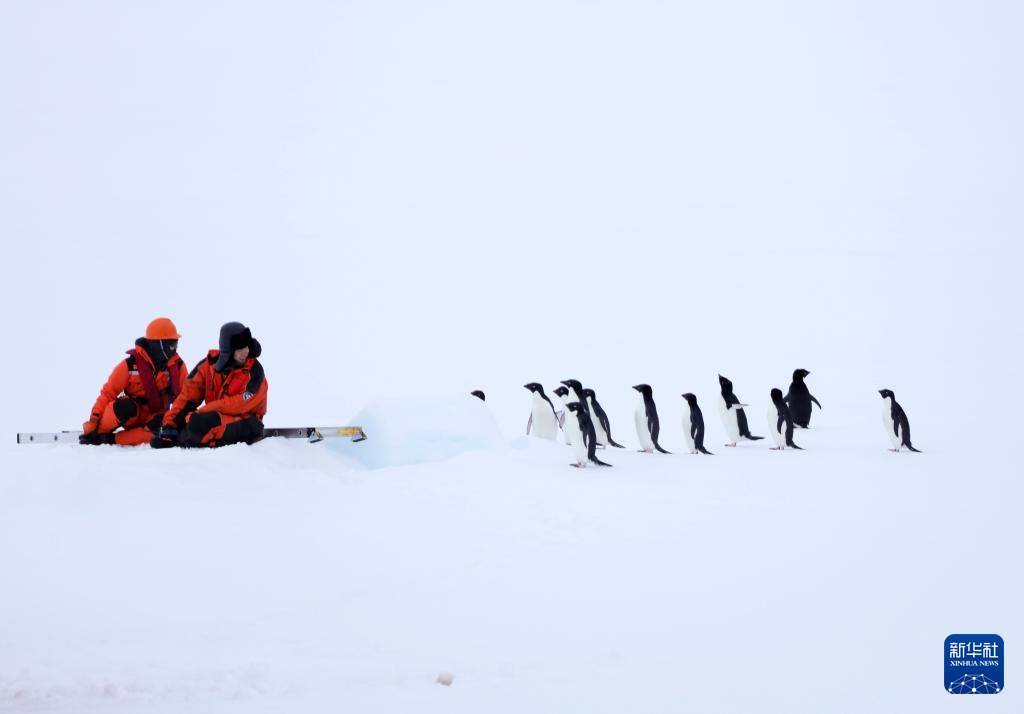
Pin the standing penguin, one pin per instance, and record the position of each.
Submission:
(646, 417)
(799, 399)
(602, 427)
(543, 421)
(574, 434)
(780, 422)
(693, 427)
(562, 392)
(575, 428)
(897, 426)
(733, 416)
(585, 420)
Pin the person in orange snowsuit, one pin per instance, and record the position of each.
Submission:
(139, 390)
(224, 398)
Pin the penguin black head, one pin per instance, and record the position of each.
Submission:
(726, 384)
(691, 399)
(887, 393)
(534, 387)
(562, 392)
(589, 393)
(479, 395)
(799, 374)
(644, 389)
(574, 385)
(573, 406)
(776, 395)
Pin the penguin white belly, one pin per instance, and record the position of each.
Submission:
(544, 424)
(688, 435)
(564, 417)
(894, 437)
(729, 420)
(601, 436)
(575, 437)
(642, 432)
(779, 435)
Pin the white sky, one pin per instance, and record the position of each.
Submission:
(398, 192)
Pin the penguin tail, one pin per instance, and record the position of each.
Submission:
(752, 437)
(794, 446)
(702, 450)
(911, 448)
(599, 462)
(617, 446)
(661, 449)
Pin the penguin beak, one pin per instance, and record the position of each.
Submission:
(882, 392)
(565, 382)
(636, 387)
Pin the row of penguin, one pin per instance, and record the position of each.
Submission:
(586, 426)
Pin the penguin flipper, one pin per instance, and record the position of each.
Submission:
(617, 446)
(816, 401)
(529, 424)
(561, 418)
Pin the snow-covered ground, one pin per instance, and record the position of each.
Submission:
(290, 577)
(407, 201)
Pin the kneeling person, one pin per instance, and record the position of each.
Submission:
(224, 399)
(139, 390)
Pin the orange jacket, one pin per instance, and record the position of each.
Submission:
(125, 379)
(241, 391)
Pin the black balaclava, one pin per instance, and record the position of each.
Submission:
(161, 351)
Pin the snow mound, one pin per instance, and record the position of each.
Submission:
(423, 429)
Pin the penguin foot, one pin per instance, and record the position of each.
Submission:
(775, 448)
(732, 444)
(578, 466)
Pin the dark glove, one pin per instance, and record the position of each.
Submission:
(167, 437)
(95, 439)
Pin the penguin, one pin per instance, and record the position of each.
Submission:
(585, 420)
(799, 399)
(543, 421)
(693, 427)
(780, 422)
(563, 395)
(574, 434)
(575, 427)
(646, 417)
(602, 427)
(479, 395)
(733, 416)
(897, 426)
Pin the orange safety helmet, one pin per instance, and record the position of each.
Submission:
(162, 329)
